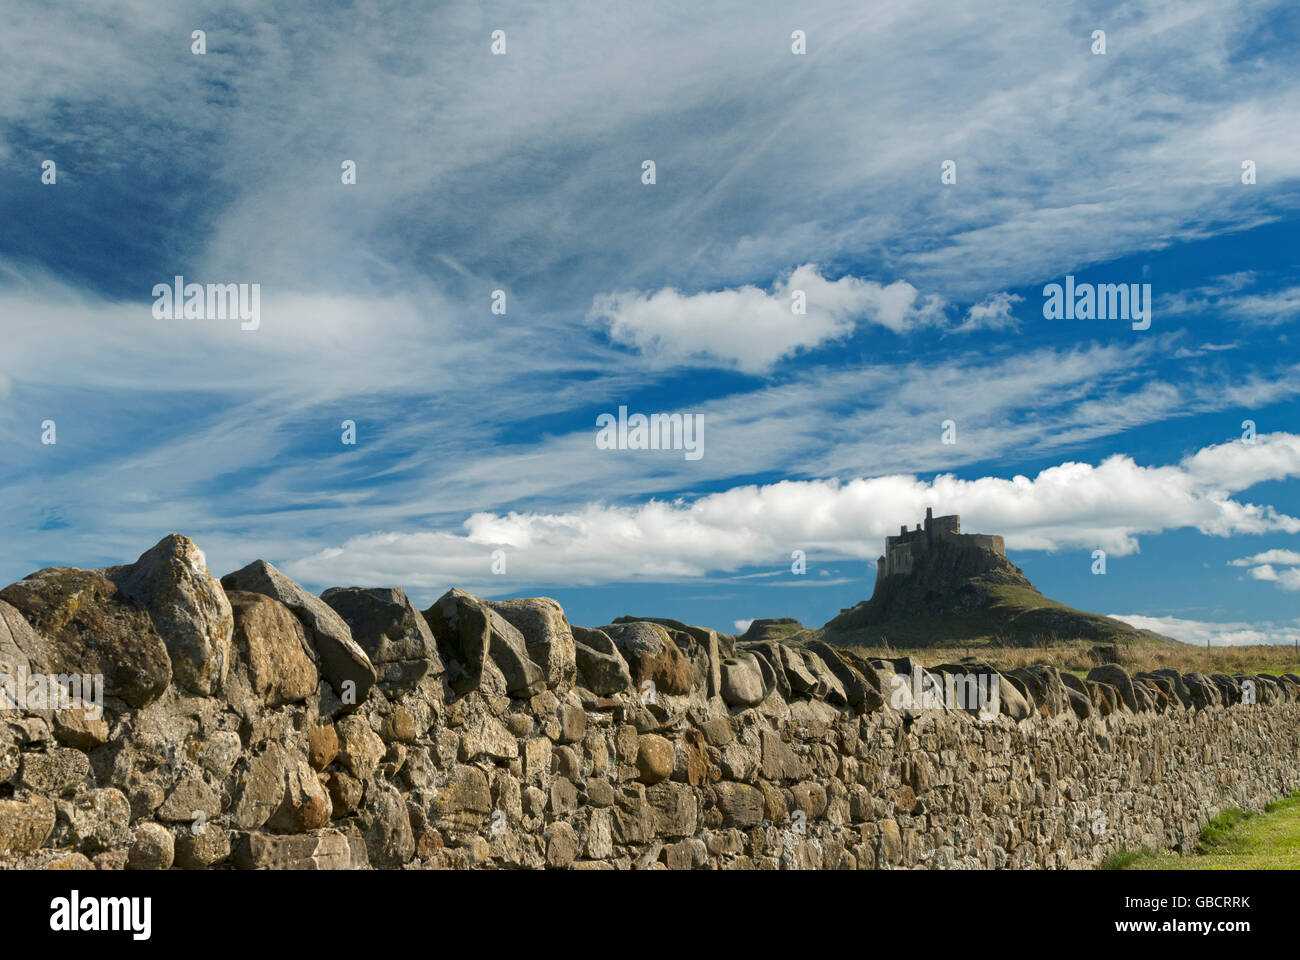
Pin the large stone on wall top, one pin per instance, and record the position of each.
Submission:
(702, 647)
(742, 680)
(479, 640)
(90, 628)
(1114, 675)
(19, 643)
(803, 681)
(827, 680)
(1079, 703)
(1011, 701)
(188, 608)
(1202, 690)
(1102, 696)
(604, 670)
(391, 630)
(859, 690)
(1229, 688)
(342, 661)
(907, 687)
(546, 632)
(652, 655)
(976, 688)
(1044, 684)
(271, 660)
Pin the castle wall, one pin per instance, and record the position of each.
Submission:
(903, 551)
(986, 541)
(900, 558)
(945, 526)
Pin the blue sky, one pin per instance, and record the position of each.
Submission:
(774, 173)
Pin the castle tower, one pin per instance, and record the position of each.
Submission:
(904, 551)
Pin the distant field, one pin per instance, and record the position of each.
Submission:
(1234, 840)
(1077, 657)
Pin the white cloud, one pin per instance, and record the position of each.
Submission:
(811, 172)
(750, 329)
(1289, 557)
(765, 160)
(991, 313)
(742, 625)
(1264, 566)
(1070, 506)
(1266, 309)
(1239, 464)
(1186, 353)
(1197, 632)
(1223, 297)
(238, 471)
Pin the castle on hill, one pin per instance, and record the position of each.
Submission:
(937, 586)
(903, 551)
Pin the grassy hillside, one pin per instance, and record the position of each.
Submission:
(1015, 616)
(779, 628)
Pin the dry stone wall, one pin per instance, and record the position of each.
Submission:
(251, 724)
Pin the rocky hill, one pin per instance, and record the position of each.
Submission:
(776, 628)
(938, 587)
(152, 717)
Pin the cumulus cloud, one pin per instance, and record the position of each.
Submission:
(370, 315)
(1241, 463)
(1070, 506)
(1264, 566)
(991, 313)
(1198, 632)
(1288, 557)
(750, 329)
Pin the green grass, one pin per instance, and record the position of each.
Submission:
(781, 631)
(1234, 840)
(1076, 657)
(1125, 859)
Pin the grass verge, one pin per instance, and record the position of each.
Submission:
(1234, 840)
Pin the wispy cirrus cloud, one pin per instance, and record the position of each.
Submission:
(377, 295)
(1224, 297)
